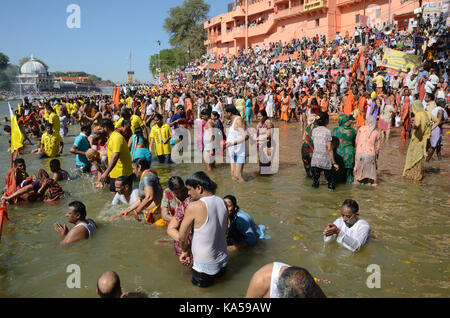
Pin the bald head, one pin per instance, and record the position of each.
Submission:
(108, 285)
(297, 282)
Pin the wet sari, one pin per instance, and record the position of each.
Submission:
(346, 149)
(308, 148)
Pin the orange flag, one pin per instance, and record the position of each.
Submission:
(116, 96)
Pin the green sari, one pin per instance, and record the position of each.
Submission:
(346, 149)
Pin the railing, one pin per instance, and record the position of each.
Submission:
(261, 29)
(341, 3)
(238, 33)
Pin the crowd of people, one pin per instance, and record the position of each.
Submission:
(306, 80)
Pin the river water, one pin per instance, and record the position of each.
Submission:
(410, 237)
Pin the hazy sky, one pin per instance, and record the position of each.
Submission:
(101, 46)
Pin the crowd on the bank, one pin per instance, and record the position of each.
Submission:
(307, 80)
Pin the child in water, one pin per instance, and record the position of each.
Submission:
(58, 173)
(97, 167)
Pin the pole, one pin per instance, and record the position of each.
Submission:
(389, 13)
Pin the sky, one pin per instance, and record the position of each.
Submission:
(108, 30)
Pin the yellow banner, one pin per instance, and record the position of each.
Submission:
(401, 61)
(312, 4)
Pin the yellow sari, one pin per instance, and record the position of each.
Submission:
(417, 149)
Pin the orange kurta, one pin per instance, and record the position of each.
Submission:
(349, 103)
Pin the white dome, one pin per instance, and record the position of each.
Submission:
(33, 67)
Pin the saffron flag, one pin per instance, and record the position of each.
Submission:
(16, 134)
(116, 96)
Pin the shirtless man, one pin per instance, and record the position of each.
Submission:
(83, 229)
(279, 280)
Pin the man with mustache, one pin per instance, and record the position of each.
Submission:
(349, 230)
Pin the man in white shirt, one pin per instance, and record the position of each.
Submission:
(350, 231)
(124, 192)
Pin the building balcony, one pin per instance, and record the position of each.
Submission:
(261, 29)
(344, 3)
(239, 12)
(238, 33)
(301, 9)
(260, 7)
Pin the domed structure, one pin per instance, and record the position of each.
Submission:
(34, 77)
(33, 67)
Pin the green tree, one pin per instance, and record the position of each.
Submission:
(4, 60)
(26, 59)
(185, 27)
(169, 60)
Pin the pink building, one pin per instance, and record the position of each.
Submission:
(283, 20)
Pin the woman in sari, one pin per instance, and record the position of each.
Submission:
(417, 149)
(346, 149)
(264, 142)
(285, 103)
(367, 148)
(405, 118)
(308, 145)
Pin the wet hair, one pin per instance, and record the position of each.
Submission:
(85, 127)
(296, 282)
(115, 290)
(48, 125)
(175, 183)
(125, 180)
(233, 200)
(78, 207)
(159, 116)
(352, 205)
(232, 109)
(430, 96)
(107, 123)
(125, 113)
(139, 134)
(7, 128)
(200, 178)
(19, 161)
(55, 162)
(141, 162)
(323, 119)
(263, 113)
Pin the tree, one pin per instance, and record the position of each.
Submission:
(169, 59)
(26, 59)
(185, 26)
(4, 60)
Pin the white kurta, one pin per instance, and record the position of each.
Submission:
(352, 238)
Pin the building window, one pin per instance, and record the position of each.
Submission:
(317, 22)
(357, 18)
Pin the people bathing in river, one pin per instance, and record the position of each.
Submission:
(150, 196)
(125, 193)
(349, 230)
(207, 218)
(79, 148)
(323, 156)
(83, 229)
(279, 280)
(33, 188)
(51, 144)
(242, 230)
(173, 207)
(367, 150)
